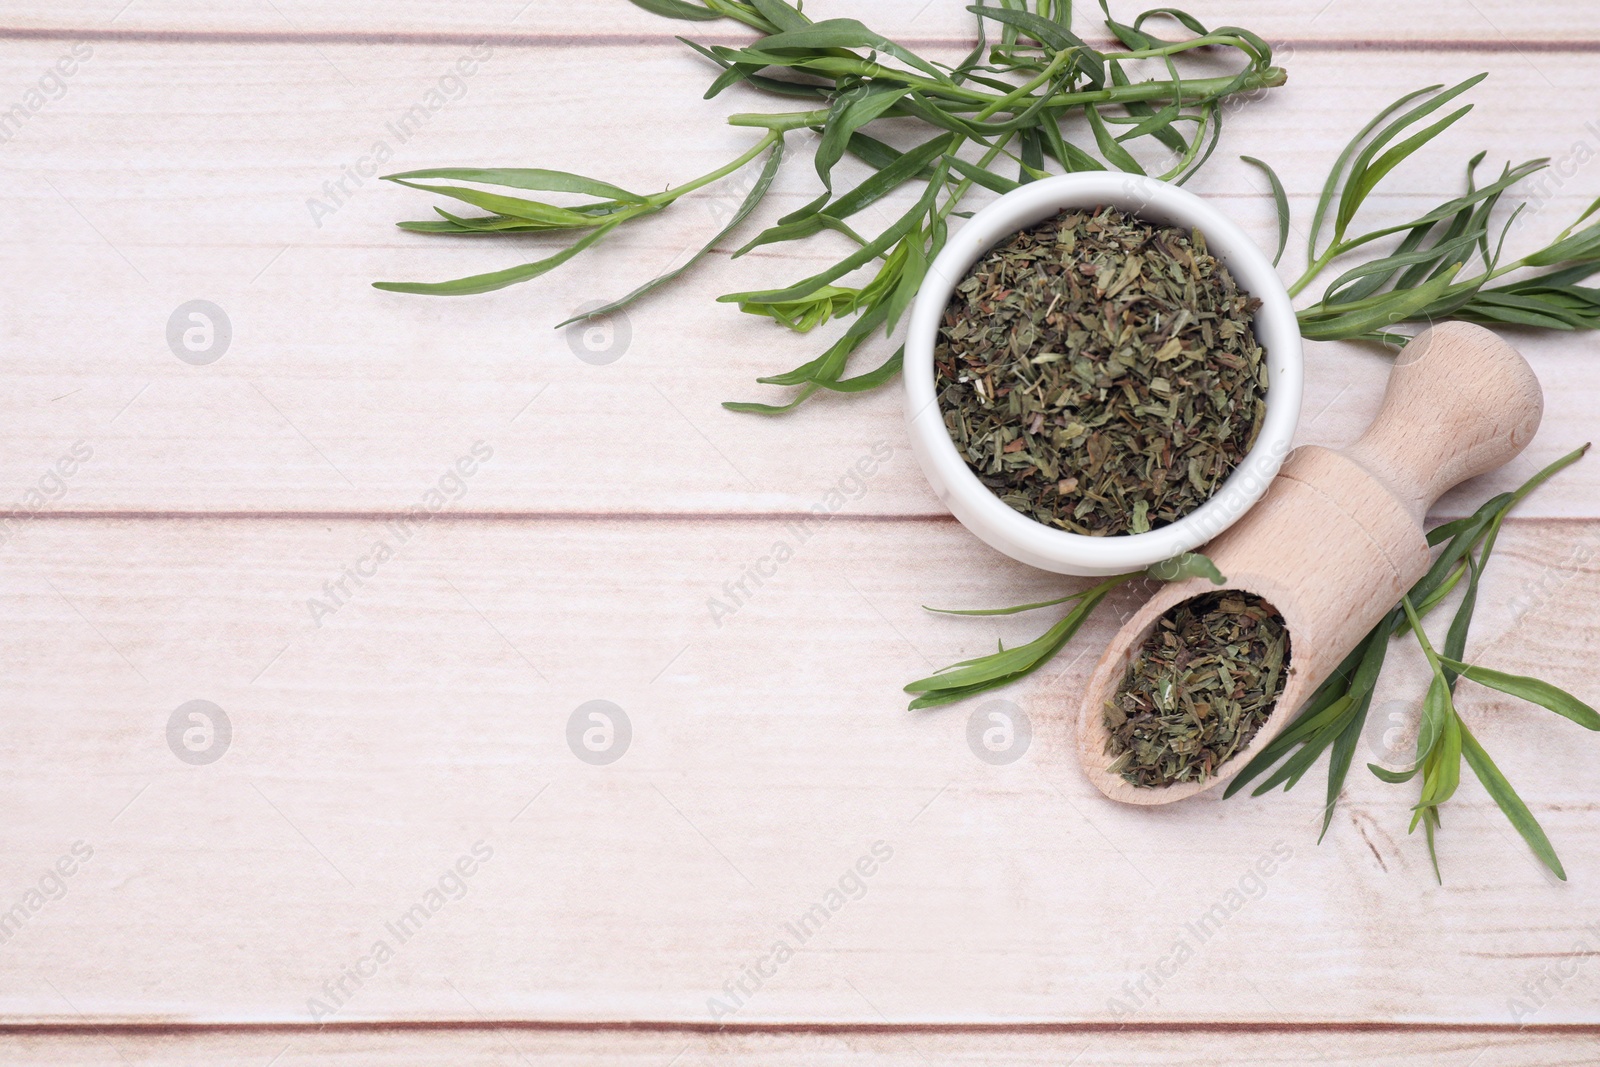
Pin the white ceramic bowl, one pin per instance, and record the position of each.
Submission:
(987, 515)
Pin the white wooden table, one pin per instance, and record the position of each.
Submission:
(229, 911)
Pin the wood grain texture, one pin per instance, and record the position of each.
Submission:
(487, 1047)
(336, 397)
(769, 755)
(209, 533)
(1494, 24)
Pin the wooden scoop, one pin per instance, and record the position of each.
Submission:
(1338, 536)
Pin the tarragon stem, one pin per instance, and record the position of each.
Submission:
(1016, 103)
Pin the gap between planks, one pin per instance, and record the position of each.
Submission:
(732, 1029)
(464, 517)
(612, 40)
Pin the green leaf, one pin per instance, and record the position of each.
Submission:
(1515, 810)
(1354, 320)
(873, 378)
(1280, 199)
(1448, 762)
(1430, 823)
(1157, 124)
(982, 176)
(1311, 717)
(828, 366)
(913, 269)
(1378, 271)
(1432, 600)
(1296, 765)
(1321, 715)
(1344, 749)
(1540, 313)
(968, 677)
(1072, 158)
(1583, 245)
(732, 73)
(1530, 689)
(1145, 121)
(883, 243)
(1366, 178)
(1053, 36)
(847, 33)
(552, 181)
(1392, 777)
(1115, 154)
(1211, 117)
(1455, 640)
(757, 193)
(892, 174)
(489, 226)
(1436, 705)
(874, 153)
(515, 206)
(1313, 733)
(1447, 566)
(1186, 565)
(749, 408)
(1015, 609)
(1183, 18)
(1356, 188)
(1031, 165)
(783, 16)
(1454, 208)
(803, 316)
(911, 164)
(677, 9)
(1445, 531)
(851, 110)
(1331, 186)
(1544, 475)
(488, 283)
(1135, 40)
(1421, 263)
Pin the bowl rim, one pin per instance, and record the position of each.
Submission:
(1029, 540)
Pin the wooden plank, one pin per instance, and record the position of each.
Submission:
(401, 745)
(429, 715)
(1499, 24)
(167, 174)
(486, 1047)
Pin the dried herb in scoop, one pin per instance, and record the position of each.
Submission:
(1198, 689)
(1099, 372)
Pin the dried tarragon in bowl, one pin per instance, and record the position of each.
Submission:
(1197, 690)
(1099, 372)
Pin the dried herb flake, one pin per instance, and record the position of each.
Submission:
(1100, 374)
(1198, 689)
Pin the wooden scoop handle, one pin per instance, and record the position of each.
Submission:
(1460, 403)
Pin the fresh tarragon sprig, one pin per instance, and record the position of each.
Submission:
(973, 676)
(1334, 716)
(1446, 258)
(1015, 101)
